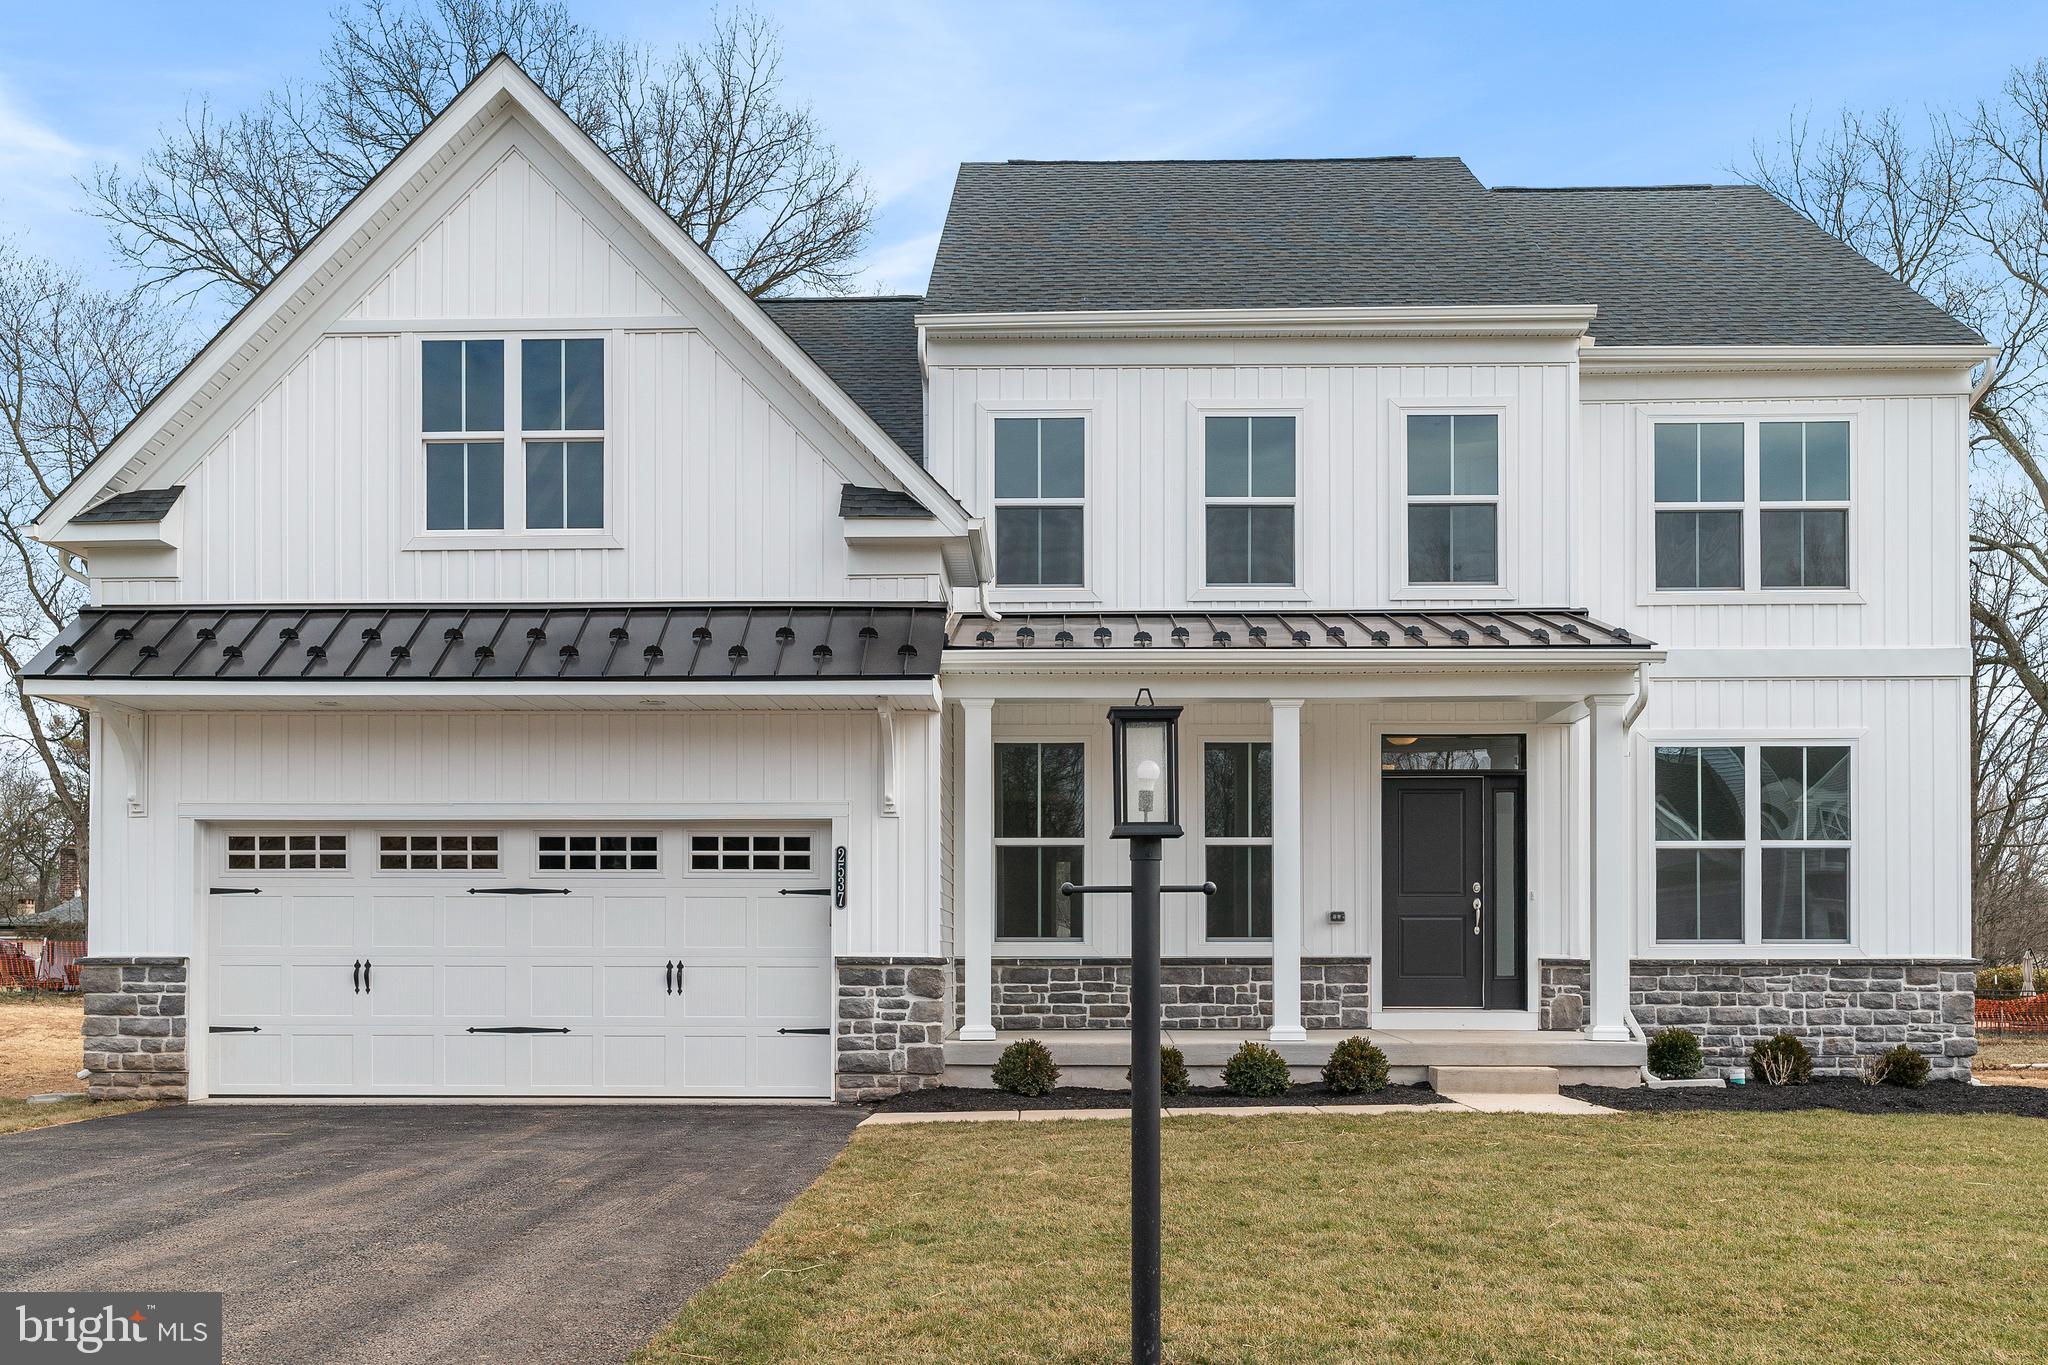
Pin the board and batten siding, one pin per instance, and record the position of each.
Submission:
(521, 769)
(1145, 470)
(1908, 505)
(723, 483)
(1909, 796)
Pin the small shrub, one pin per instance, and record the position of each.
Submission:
(2005, 982)
(1900, 1066)
(1173, 1071)
(1675, 1054)
(1782, 1060)
(1256, 1070)
(1025, 1068)
(1355, 1066)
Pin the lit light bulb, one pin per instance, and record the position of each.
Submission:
(1148, 786)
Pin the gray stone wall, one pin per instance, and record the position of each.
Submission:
(134, 1027)
(1844, 1011)
(1194, 993)
(1561, 991)
(891, 1025)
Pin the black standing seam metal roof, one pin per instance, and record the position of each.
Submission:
(137, 505)
(1670, 265)
(859, 503)
(868, 347)
(458, 644)
(1391, 628)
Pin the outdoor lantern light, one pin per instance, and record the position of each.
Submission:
(1146, 762)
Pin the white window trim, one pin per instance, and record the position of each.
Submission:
(1753, 945)
(1750, 416)
(1505, 500)
(1200, 589)
(985, 414)
(515, 535)
(1091, 773)
(1204, 841)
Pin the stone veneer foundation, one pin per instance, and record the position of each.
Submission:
(134, 1027)
(891, 1025)
(1194, 993)
(1844, 1010)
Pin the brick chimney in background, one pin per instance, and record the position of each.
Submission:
(67, 873)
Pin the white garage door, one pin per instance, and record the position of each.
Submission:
(406, 960)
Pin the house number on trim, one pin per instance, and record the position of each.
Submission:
(839, 876)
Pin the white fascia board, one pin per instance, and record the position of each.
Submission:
(81, 538)
(167, 694)
(1281, 661)
(870, 530)
(1688, 359)
(1551, 320)
(352, 228)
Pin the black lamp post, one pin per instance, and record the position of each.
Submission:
(1145, 752)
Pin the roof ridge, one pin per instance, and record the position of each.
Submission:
(1201, 160)
(841, 298)
(1606, 189)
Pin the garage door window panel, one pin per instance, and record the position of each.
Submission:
(437, 852)
(601, 851)
(287, 851)
(740, 851)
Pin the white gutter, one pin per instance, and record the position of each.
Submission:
(1983, 385)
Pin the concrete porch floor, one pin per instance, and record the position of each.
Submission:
(1098, 1058)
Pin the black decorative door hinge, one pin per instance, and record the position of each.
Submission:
(804, 1030)
(233, 1028)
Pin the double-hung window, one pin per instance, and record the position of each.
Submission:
(1041, 481)
(1453, 498)
(562, 393)
(1237, 838)
(1752, 843)
(1248, 486)
(1040, 794)
(462, 413)
(541, 397)
(1727, 522)
(1803, 504)
(1698, 480)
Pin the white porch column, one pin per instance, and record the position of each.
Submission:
(977, 899)
(1287, 873)
(1607, 971)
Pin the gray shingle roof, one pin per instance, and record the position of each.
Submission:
(1716, 265)
(1675, 265)
(869, 348)
(139, 504)
(857, 502)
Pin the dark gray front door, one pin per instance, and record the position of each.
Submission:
(1452, 904)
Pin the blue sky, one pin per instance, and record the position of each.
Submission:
(1528, 94)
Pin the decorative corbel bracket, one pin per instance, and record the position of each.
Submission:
(886, 715)
(130, 730)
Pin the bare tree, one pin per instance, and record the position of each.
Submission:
(1957, 207)
(76, 365)
(222, 203)
(36, 831)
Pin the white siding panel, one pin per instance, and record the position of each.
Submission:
(1145, 469)
(549, 765)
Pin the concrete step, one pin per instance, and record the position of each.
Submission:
(1493, 1080)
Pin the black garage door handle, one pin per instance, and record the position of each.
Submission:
(518, 1028)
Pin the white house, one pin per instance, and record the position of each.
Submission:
(522, 664)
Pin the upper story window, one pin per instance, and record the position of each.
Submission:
(1248, 485)
(1698, 481)
(1040, 794)
(1454, 498)
(462, 413)
(1040, 501)
(1237, 838)
(1712, 506)
(465, 413)
(1803, 497)
(1752, 843)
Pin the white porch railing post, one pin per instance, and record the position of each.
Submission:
(1607, 971)
(977, 866)
(1287, 873)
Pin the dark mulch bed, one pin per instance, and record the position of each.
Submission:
(1843, 1093)
(947, 1099)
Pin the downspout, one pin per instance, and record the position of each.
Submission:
(1628, 723)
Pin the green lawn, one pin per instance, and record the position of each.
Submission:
(1801, 1237)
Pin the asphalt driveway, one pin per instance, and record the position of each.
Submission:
(410, 1233)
